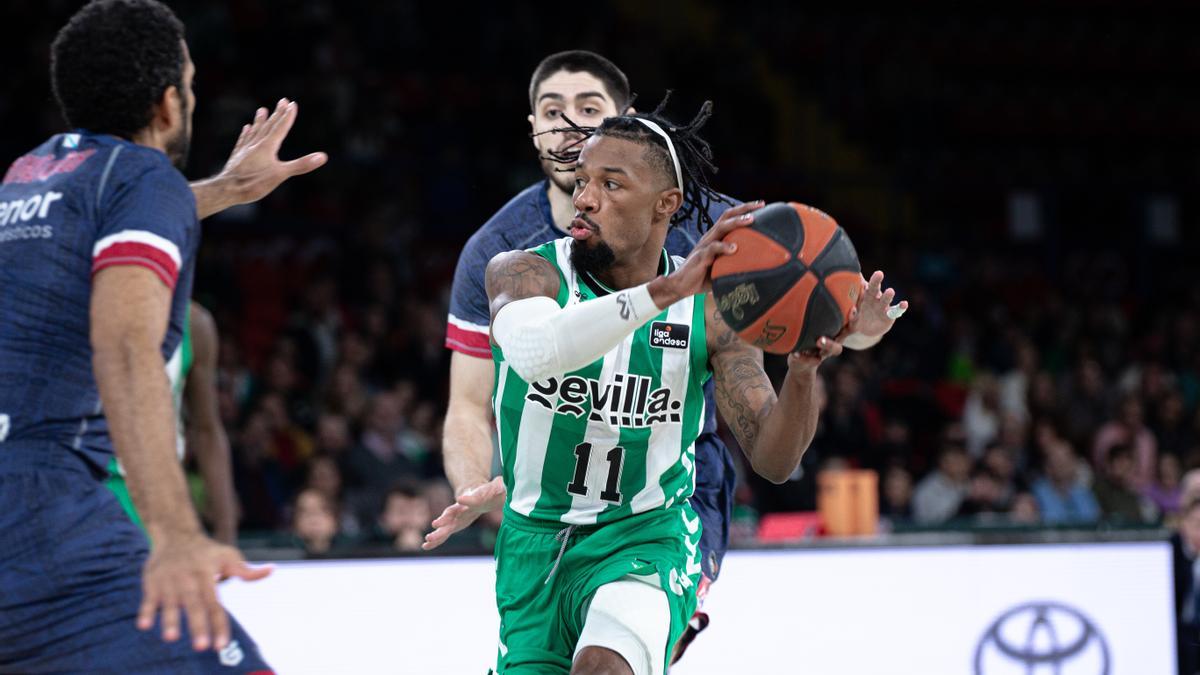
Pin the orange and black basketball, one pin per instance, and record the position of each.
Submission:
(794, 278)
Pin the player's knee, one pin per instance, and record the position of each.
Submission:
(600, 661)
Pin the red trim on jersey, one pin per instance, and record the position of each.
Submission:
(469, 342)
(137, 253)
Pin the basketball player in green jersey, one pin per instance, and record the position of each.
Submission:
(192, 371)
(602, 344)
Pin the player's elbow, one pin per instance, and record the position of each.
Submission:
(775, 476)
(777, 470)
(531, 351)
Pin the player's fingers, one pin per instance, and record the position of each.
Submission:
(888, 295)
(246, 572)
(283, 112)
(260, 118)
(743, 208)
(196, 611)
(170, 617)
(450, 514)
(218, 620)
(287, 117)
(738, 216)
(254, 129)
(829, 347)
(876, 282)
(309, 162)
(149, 606)
(733, 218)
(436, 538)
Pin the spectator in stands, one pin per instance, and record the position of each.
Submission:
(1116, 492)
(1087, 402)
(1024, 510)
(346, 395)
(333, 435)
(325, 477)
(1186, 546)
(405, 518)
(1164, 493)
(1015, 386)
(896, 503)
(1000, 461)
(982, 414)
(986, 499)
(261, 484)
(1062, 495)
(940, 494)
(1044, 400)
(290, 446)
(1128, 428)
(314, 523)
(844, 419)
(380, 459)
(1171, 429)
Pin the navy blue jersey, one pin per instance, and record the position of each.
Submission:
(75, 205)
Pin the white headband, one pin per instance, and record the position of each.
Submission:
(653, 126)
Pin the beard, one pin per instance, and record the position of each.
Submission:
(594, 259)
(178, 147)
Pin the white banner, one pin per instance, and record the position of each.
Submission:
(1079, 609)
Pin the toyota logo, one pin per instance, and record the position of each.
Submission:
(1042, 634)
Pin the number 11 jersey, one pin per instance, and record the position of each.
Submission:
(616, 437)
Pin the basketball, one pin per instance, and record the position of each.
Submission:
(794, 278)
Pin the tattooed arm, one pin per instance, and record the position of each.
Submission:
(517, 275)
(774, 431)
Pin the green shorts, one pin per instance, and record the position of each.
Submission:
(543, 607)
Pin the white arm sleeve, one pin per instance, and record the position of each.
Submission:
(541, 339)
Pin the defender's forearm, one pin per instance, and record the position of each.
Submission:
(466, 447)
(136, 397)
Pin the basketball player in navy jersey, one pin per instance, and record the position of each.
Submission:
(98, 236)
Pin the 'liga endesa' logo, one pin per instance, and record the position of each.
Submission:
(1042, 635)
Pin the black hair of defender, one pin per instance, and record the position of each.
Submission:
(694, 154)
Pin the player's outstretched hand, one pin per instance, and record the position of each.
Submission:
(876, 314)
(471, 504)
(254, 169)
(694, 275)
(180, 578)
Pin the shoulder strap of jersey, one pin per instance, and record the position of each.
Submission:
(553, 251)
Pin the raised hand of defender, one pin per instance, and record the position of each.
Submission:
(471, 504)
(694, 275)
(876, 314)
(254, 165)
(180, 579)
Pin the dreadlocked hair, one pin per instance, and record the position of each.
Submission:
(694, 154)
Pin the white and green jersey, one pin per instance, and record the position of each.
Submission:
(616, 437)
